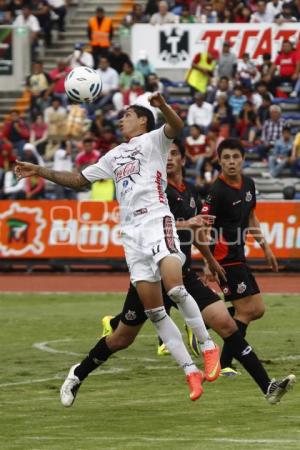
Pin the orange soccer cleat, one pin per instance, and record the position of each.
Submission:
(194, 380)
(212, 366)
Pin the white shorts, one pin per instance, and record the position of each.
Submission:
(147, 243)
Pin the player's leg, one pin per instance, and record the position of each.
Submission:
(151, 297)
(171, 272)
(244, 294)
(132, 319)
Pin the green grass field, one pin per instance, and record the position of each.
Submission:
(137, 400)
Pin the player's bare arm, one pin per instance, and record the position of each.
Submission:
(69, 179)
(255, 230)
(174, 124)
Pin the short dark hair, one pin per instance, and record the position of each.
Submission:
(287, 128)
(181, 148)
(142, 111)
(231, 144)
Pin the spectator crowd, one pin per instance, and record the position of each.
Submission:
(225, 97)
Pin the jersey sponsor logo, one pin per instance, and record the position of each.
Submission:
(168, 232)
(127, 170)
(236, 203)
(248, 197)
(130, 315)
(192, 203)
(159, 187)
(241, 287)
(208, 199)
(205, 209)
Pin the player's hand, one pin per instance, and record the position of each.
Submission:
(157, 100)
(217, 271)
(201, 221)
(25, 169)
(271, 259)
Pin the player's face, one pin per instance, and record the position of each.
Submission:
(130, 124)
(231, 162)
(175, 161)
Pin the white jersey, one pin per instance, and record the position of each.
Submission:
(138, 169)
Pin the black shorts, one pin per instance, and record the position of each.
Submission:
(133, 311)
(240, 282)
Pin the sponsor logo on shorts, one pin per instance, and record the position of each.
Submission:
(241, 287)
(247, 350)
(226, 290)
(130, 315)
(248, 197)
(236, 203)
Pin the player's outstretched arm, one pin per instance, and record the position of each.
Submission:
(68, 179)
(174, 124)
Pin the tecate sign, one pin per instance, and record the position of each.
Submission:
(174, 46)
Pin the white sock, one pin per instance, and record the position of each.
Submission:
(190, 311)
(171, 336)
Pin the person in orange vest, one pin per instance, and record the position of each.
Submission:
(100, 33)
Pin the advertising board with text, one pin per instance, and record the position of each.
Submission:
(91, 230)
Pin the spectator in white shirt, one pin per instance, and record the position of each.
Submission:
(26, 19)
(59, 7)
(80, 57)
(163, 15)
(273, 8)
(63, 161)
(261, 15)
(110, 82)
(200, 113)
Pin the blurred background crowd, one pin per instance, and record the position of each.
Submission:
(220, 96)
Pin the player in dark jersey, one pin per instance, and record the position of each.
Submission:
(232, 199)
(183, 204)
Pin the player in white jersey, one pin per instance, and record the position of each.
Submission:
(138, 168)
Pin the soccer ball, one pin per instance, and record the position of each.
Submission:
(83, 85)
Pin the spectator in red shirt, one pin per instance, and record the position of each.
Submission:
(88, 155)
(286, 62)
(58, 76)
(195, 147)
(16, 130)
(107, 140)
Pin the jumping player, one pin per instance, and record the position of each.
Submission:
(120, 331)
(138, 168)
(232, 199)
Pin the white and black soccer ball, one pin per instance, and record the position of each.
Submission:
(83, 85)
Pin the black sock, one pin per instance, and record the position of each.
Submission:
(114, 322)
(243, 352)
(226, 355)
(97, 356)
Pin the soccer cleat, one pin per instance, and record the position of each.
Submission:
(107, 328)
(195, 380)
(70, 387)
(212, 367)
(162, 350)
(277, 388)
(192, 341)
(229, 372)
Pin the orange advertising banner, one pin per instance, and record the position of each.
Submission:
(91, 230)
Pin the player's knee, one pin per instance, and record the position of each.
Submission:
(178, 294)
(258, 311)
(119, 341)
(156, 314)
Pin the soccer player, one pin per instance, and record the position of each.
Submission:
(232, 199)
(152, 250)
(120, 331)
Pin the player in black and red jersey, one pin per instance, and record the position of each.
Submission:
(232, 199)
(120, 331)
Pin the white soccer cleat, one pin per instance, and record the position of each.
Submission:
(277, 388)
(70, 387)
